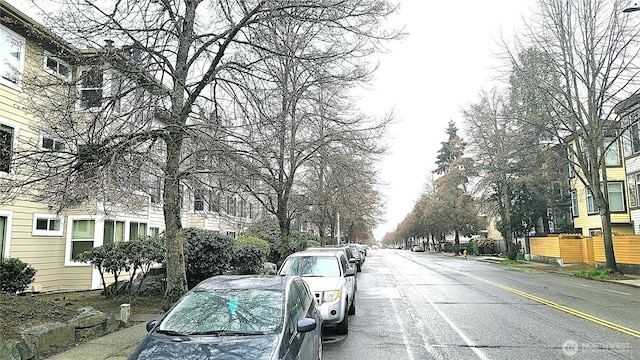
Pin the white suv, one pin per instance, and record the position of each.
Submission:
(332, 281)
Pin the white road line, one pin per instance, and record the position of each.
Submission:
(617, 292)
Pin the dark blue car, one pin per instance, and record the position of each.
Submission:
(238, 317)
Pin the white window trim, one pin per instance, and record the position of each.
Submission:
(7, 240)
(55, 140)
(37, 232)
(23, 46)
(16, 133)
(79, 88)
(97, 238)
(57, 74)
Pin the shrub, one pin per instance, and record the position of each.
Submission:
(15, 275)
(108, 258)
(206, 254)
(249, 254)
(141, 254)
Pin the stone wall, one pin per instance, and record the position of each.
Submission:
(50, 339)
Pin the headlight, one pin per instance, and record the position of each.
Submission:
(330, 296)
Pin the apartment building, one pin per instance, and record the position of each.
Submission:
(47, 236)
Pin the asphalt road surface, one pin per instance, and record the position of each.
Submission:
(433, 306)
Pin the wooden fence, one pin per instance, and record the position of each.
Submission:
(575, 248)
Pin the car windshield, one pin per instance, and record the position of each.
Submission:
(226, 310)
(311, 266)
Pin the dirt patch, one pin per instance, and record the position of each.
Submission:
(21, 312)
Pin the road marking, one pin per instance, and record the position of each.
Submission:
(617, 292)
(568, 310)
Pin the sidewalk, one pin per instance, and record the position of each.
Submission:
(566, 269)
(115, 346)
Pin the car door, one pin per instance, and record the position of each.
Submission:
(351, 280)
(295, 341)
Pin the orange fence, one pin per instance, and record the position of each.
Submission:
(574, 248)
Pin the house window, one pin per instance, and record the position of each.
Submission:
(56, 66)
(592, 208)
(632, 189)
(635, 138)
(113, 231)
(49, 143)
(154, 231)
(199, 201)
(46, 225)
(612, 154)
(82, 237)
(6, 147)
(136, 230)
(571, 164)
(616, 196)
(12, 48)
(574, 203)
(90, 88)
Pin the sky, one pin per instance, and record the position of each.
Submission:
(438, 69)
(447, 57)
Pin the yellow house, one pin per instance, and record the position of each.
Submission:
(34, 232)
(586, 218)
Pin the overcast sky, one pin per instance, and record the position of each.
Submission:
(447, 58)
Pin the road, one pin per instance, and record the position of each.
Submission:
(435, 306)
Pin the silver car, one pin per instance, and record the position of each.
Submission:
(331, 280)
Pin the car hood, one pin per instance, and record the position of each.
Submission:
(160, 346)
(324, 283)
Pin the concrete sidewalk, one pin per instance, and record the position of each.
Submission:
(566, 269)
(115, 346)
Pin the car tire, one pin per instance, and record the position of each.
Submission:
(352, 308)
(343, 326)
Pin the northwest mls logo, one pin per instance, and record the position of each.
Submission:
(570, 347)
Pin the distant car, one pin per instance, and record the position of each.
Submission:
(331, 280)
(351, 258)
(357, 255)
(417, 248)
(238, 317)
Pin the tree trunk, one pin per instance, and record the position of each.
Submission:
(174, 238)
(456, 243)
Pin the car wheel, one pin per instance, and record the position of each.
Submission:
(343, 326)
(352, 308)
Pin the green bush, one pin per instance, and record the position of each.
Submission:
(108, 258)
(15, 275)
(206, 253)
(249, 255)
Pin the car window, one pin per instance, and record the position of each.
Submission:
(226, 310)
(295, 309)
(344, 264)
(305, 294)
(311, 266)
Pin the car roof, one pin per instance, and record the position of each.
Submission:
(219, 282)
(318, 252)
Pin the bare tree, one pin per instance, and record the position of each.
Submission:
(184, 63)
(588, 46)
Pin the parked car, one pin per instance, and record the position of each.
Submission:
(331, 280)
(357, 255)
(417, 248)
(239, 317)
(351, 258)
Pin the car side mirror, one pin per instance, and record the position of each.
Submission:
(306, 325)
(151, 324)
(350, 272)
